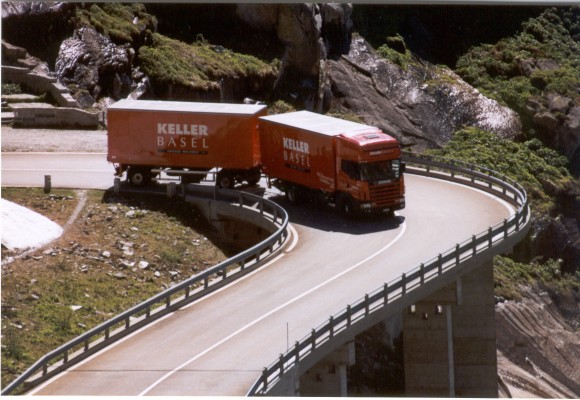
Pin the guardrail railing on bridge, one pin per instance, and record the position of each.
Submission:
(171, 299)
(471, 175)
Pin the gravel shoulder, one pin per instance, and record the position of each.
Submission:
(53, 140)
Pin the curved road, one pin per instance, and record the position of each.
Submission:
(218, 345)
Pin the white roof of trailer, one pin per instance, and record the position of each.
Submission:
(187, 106)
(319, 123)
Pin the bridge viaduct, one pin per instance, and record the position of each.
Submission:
(445, 305)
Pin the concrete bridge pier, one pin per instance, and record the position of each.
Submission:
(328, 377)
(449, 340)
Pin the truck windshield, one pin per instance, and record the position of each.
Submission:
(380, 171)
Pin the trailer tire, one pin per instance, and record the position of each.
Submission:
(225, 180)
(139, 176)
(254, 176)
(293, 195)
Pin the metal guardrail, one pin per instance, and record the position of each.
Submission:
(471, 175)
(171, 299)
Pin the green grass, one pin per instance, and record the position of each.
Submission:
(510, 276)
(542, 171)
(496, 70)
(543, 174)
(39, 291)
(115, 20)
(199, 65)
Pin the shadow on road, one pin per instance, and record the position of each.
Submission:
(327, 219)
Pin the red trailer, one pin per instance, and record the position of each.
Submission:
(185, 139)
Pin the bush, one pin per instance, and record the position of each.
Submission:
(541, 170)
(11, 88)
(496, 70)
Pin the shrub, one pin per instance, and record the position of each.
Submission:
(538, 168)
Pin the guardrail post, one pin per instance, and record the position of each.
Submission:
(505, 229)
(331, 327)
(490, 238)
(127, 322)
(422, 269)
(474, 245)
(65, 356)
(367, 305)
(47, 184)
(241, 199)
(386, 295)
(457, 254)
(297, 352)
(107, 334)
(348, 315)
(440, 264)
(265, 379)
(44, 369)
(281, 364)
(86, 345)
(403, 284)
(313, 338)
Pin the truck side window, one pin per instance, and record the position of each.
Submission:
(351, 168)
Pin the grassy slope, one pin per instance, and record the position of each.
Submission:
(39, 290)
(543, 173)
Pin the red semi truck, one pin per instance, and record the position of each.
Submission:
(184, 139)
(354, 166)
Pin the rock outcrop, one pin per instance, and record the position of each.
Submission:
(93, 62)
(420, 104)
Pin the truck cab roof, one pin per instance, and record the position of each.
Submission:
(329, 126)
(187, 107)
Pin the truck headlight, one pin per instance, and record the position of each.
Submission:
(365, 205)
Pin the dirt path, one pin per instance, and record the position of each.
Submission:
(53, 140)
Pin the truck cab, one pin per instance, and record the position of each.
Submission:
(369, 173)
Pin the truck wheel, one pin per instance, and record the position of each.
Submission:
(225, 180)
(139, 176)
(346, 206)
(293, 194)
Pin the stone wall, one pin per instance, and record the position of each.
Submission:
(33, 115)
(39, 84)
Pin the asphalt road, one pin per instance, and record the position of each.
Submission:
(219, 344)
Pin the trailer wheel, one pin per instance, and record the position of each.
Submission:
(139, 176)
(225, 180)
(254, 176)
(293, 195)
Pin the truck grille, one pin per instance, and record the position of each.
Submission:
(385, 195)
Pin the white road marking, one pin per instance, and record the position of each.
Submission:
(249, 325)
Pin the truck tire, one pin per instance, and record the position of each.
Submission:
(225, 180)
(139, 176)
(346, 206)
(254, 176)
